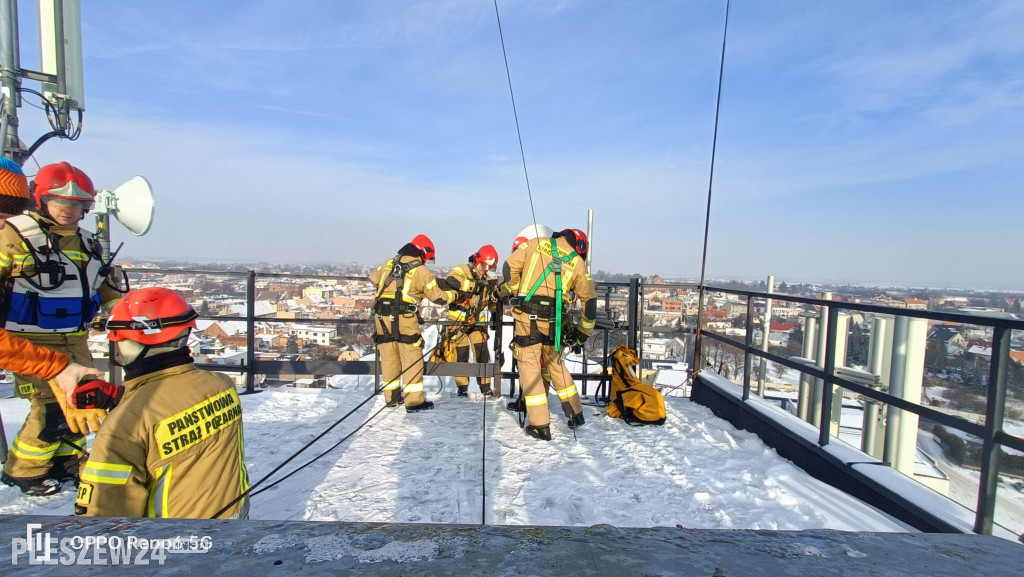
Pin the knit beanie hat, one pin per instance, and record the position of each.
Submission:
(14, 197)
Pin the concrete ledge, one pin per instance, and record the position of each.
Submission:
(252, 548)
(837, 464)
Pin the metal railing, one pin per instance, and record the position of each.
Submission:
(632, 293)
(251, 368)
(992, 432)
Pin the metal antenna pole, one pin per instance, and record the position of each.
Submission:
(9, 66)
(8, 25)
(590, 240)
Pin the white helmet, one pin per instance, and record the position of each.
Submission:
(531, 232)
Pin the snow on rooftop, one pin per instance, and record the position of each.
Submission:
(230, 328)
(696, 471)
(260, 309)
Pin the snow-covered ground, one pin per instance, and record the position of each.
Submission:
(468, 458)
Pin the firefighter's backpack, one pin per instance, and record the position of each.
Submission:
(635, 402)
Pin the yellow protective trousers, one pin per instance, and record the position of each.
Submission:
(534, 392)
(401, 367)
(44, 441)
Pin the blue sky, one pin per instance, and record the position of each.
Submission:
(872, 141)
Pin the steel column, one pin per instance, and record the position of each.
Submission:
(806, 388)
(825, 417)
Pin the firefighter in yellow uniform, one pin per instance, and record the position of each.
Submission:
(401, 283)
(539, 277)
(54, 283)
(530, 232)
(469, 314)
(173, 445)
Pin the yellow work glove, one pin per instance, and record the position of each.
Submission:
(79, 420)
(502, 292)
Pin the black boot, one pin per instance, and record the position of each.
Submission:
(464, 391)
(395, 402)
(35, 487)
(576, 421)
(485, 390)
(543, 432)
(516, 405)
(65, 468)
(424, 406)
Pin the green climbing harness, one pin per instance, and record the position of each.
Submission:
(554, 267)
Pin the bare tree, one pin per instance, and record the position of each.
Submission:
(780, 370)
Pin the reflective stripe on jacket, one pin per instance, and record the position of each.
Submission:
(417, 284)
(463, 277)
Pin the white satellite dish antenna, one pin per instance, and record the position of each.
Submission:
(131, 204)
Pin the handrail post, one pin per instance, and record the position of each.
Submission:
(604, 359)
(819, 385)
(748, 341)
(990, 449)
(377, 389)
(634, 300)
(250, 331)
(766, 329)
(640, 327)
(696, 335)
(825, 421)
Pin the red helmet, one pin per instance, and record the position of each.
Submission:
(578, 240)
(426, 245)
(64, 181)
(487, 255)
(150, 316)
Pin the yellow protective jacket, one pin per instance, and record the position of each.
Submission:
(171, 448)
(464, 279)
(528, 263)
(37, 304)
(417, 283)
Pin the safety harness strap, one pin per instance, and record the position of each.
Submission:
(395, 337)
(554, 267)
(395, 306)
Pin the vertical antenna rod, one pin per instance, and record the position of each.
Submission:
(516, 115)
(707, 218)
